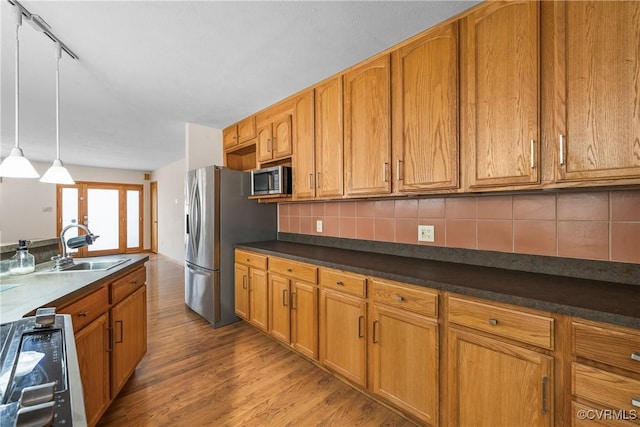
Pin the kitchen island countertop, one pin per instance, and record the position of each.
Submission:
(608, 302)
(22, 294)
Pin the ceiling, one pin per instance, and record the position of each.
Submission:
(146, 68)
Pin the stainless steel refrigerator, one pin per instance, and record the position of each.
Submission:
(219, 215)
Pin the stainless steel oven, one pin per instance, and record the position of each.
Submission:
(40, 381)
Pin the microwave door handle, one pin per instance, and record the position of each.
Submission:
(270, 182)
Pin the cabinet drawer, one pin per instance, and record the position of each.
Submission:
(296, 270)
(87, 309)
(610, 346)
(407, 298)
(125, 286)
(350, 283)
(606, 388)
(524, 327)
(251, 259)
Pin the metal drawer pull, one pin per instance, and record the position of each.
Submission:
(544, 395)
(83, 314)
(360, 319)
(339, 283)
(399, 298)
(375, 331)
(493, 321)
(635, 401)
(635, 356)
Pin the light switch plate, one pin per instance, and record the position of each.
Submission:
(426, 233)
(319, 226)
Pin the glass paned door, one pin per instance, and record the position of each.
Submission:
(111, 211)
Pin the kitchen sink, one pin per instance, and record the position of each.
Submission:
(101, 265)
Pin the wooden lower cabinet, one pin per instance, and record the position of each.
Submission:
(241, 291)
(405, 361)
(280, 309)
(92, 347)
(343, 346)
(258, 299)
(494, 383)
(129, 323)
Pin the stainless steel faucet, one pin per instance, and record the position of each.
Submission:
(64, 260)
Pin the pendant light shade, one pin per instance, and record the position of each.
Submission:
(16, 165)
(57, 173)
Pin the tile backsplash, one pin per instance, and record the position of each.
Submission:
(600, 225)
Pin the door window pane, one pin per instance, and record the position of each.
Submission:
(102, 217)
(133, 216)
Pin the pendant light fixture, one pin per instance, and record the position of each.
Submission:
(16, 165)
(57, 173)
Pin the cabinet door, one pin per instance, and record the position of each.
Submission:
(303, 160)
(280, 320)
(93, 358)
(598, 90)
(367, 133)
(342, 334)
(129, 322)
(405, 361)
(264, 142)
(304, 318)
(247, 129)
(282, 137)
(329, 139)
(230, 136)
(241, 291)
(502, 82)
(496, 384)
(258, 299)
(425, 85)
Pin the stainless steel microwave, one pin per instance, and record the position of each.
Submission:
(269, 181)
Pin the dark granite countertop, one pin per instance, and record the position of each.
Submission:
(609, 302)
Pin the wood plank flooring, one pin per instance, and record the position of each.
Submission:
(194, 375)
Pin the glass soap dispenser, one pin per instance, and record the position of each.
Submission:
(22, 262)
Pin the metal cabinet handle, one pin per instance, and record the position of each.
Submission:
(385, 166)
(121, 332)
(284, 297)
(635, 401)
(493, 321)
(318, 180)
(244, 282)
(635, 356)
(310, 181)
(294, 296)
(339, 283)
(399, 169)
(533, 151)
(561, 149)
(399, 298)
(544, 395)
(375, 331)
(268, 145)
(360, 319)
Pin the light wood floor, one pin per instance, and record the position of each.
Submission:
(194, 375)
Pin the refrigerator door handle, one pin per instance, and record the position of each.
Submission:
(199, 271)
(187, 222)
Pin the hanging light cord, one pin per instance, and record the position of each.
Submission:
(58, 54)
(18, 16)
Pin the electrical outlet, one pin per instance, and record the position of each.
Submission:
(319, 226)
(426, 233)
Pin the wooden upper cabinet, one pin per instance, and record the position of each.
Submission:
(329, 139)
(230, 137)
(597, 94)
(247, 129)
(274, 140)
(367, 128)
(303, 160)
(425, 109)
(501, 79)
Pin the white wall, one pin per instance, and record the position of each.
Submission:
(28, 206)
(171, 225)
(203, 146)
